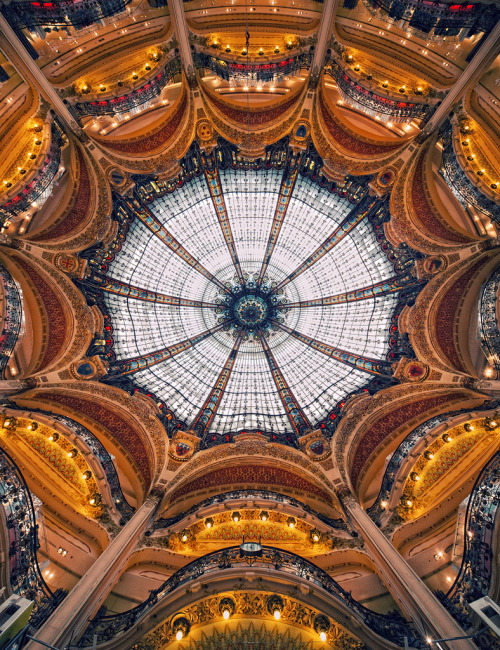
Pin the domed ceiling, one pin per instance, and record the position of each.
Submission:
(251, 300)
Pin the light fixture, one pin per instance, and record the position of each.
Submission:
(446, 437)
(321, 626)
(54, 436)
(385, 84)
(414, 476)
(226, 607)
(468, 426)
(236, 516)
(275, 606)
(209, 522)
(62, 551)
(383, 504)
(264, 515)
(315, 535)
(184, 536)
(428, 454)
(86, 475)
(276, 50)
(291, 522)
(73, 453)
(10, 423)
(228, 49)
(181, 627)
(32, 426)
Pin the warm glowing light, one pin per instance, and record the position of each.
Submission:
(226, 614)
(322, 636)
(184, 537)
(383, 504)
(409, 503)
(179, 635)
(316, 538)
(277, 614)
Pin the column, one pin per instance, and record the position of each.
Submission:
(17, 54)
(482, 60)
(325, 32)
(178, 17)
(70, 619)
(429, 617)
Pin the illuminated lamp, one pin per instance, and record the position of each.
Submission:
(264, 515)
(321, 626)
(32, 426)
(209, 522)
(226, 607)
(236, 516)
(428, 454)
(181, 627)
(291, 522)
(275, 606)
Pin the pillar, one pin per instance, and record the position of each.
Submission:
(17, 54)
(68, 622)
(428, 615)
(178, 17)
(325, 31)
(480, 63)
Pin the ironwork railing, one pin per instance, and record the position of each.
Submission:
(22, 532)
(488, 321)
(371, 103)
(389, 626)
(43, 178)
(252, 71)
(133, 99)
(61, 13)
(251, 495)
(406, 447)
(446, 19)
(474, 578)
(12, 317)
(99, 452)
(458, 181)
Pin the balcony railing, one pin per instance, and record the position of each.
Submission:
(251, 495)
(274, 71)
(132, 100)
(488, 321)
(474, 578)
(372, 104)
(406, 447)
(458, 181)
(437, 19)
(12, 317)
(65, 13)
(99, 452)
(22, 530)
(389, 626)
(41, 181)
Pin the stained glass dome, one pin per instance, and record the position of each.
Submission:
(251, 300)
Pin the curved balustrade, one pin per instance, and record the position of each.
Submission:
(99, 452)
(131, 100)
(25, 577)
(251, 495)
(458, 181)
(12, 314)
(372, 104)
(389, 626)
(443, 19)
(474, 578)
(65, 13)
(488, 322)
(406, 447)
(252, 71)
(43, 178)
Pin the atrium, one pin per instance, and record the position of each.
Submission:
(250, 347)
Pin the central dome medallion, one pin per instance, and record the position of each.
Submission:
(252, 299)
(251, 311)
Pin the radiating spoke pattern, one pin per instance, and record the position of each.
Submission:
(251, 300)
